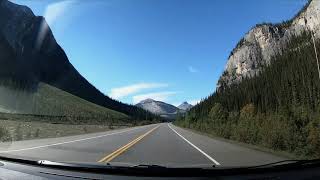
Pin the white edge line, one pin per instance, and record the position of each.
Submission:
(209, 157)
(68, 142)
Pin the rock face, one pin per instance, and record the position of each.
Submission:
(262, 42)
(160, 108)
(33, 50)
(185, 106)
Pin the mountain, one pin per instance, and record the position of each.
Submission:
(269, 96)
(158, 107)
(255, 50)
(29, 54)
(185, 106)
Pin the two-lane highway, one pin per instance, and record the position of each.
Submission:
(160, 144)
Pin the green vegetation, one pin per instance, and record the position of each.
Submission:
(4, 134)
(278, 109)
(19, 129)
(49, 100)
(50, 103)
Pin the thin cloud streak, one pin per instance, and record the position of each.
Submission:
(120, 92)
(158, 96)
(192, 69)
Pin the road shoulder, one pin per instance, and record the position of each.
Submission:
(283, 154)
(228, 153)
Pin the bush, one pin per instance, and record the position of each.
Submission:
(4, 135)
(313, 139)
(37, 133)
(18, 133)
(29, 135)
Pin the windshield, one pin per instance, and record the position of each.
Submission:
(160, 82)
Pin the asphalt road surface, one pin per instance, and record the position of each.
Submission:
(160, 144)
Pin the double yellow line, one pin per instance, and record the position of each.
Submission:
(121, 150)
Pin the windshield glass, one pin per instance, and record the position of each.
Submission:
(160, 82)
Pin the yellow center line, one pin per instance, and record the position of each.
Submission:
(121, 150)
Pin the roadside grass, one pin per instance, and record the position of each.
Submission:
(49, 112)
(17, 130)
(15, 127)
(4, 134)
(283, 154)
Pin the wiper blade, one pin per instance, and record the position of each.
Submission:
(18, 160)
(78, 166)
(149, 166)
(136, 170)
(155, 166)
(288, 163)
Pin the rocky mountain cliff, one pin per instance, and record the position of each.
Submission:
(261, 43)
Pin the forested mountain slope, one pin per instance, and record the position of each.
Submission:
(278, 108)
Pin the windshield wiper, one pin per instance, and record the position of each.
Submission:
(148, 166)
(288, 163)
(195, 166)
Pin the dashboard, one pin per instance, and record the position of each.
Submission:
(12, 170)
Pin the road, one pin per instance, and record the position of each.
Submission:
(161, 144)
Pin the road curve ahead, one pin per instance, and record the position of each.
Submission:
(160, 144)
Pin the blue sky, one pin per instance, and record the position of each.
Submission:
(168, 50)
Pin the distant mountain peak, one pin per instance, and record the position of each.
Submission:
(149, 100)
(185, 106)
(160, 108)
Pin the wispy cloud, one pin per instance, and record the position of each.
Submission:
(120, 92)
(52, 13)
(158, 96)
(192, 69)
